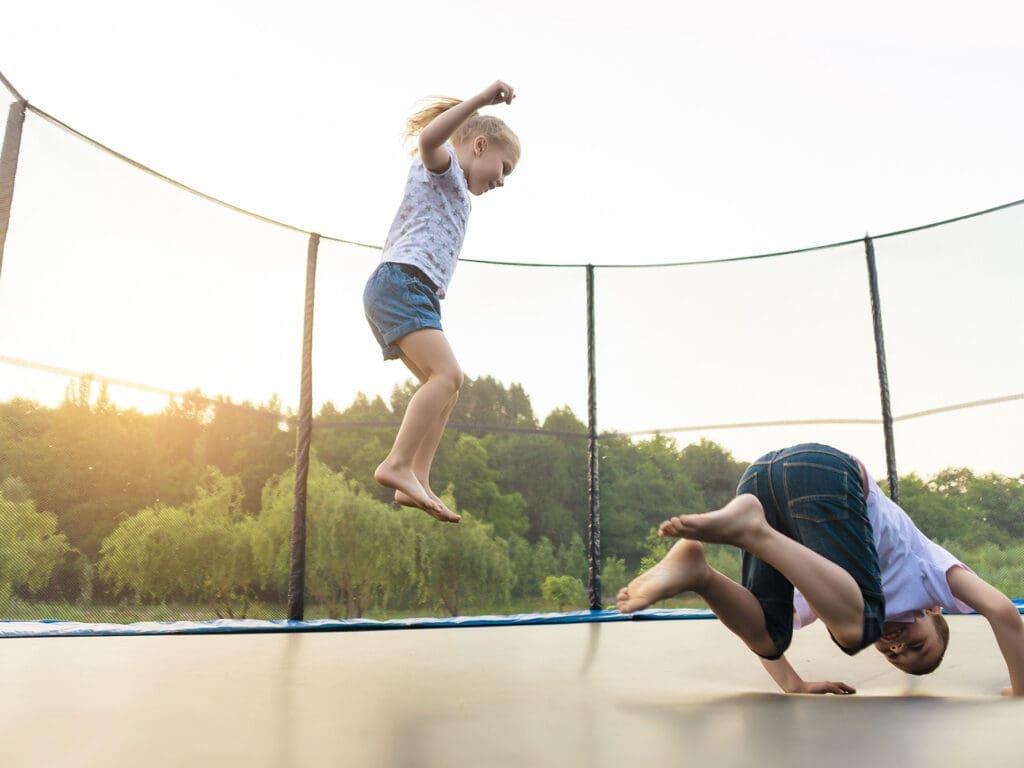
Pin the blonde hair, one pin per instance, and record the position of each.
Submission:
(474, 125)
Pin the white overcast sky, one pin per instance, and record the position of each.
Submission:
(651, 131)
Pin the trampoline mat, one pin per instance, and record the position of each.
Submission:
(599, 694)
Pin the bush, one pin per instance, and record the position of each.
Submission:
(562, 591)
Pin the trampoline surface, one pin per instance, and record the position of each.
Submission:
(629, 693)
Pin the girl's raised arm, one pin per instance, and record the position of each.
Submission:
(440, 129)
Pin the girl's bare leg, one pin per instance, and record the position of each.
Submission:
(685, 569)
(831, 592)
(427, 354)
(424, 458)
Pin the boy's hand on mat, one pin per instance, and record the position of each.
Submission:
(791, 682)
(826, 686)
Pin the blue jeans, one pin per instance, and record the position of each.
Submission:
(813, 494)
(399, 299)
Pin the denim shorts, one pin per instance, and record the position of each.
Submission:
(399, 299)
(814, 494)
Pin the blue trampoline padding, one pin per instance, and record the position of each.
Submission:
(58, 628)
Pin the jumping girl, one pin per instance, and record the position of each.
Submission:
(460, 153)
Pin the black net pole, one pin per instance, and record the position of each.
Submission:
(883, 374)
(9, 167)
(303, 432)
(593, 483)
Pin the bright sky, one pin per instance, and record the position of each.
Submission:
(651, 131)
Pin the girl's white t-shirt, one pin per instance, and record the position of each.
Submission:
(913, 566)
(430, 226)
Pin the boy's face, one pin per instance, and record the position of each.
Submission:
(911, 646)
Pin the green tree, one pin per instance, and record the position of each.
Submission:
(724, 558)
(613, 578)
(475, 489)
(30, 547)
(713, 470)
(461, 567)
(482, 403)
(1002, 567)
(562, 591)
(179, 445)
(356, 449)
(250, 442)
(487, 402)
(87, 469)
(655, 548)
(530, 564)
(358, 551)
(952, 481)
(272, 535)
(939, 515)
(200, 551)
(550, 473)
(88, 462)
(641, 485)
(956, 506)
(571, 557)
(21, 422)
(999, 500)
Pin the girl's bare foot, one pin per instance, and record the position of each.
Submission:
(738, 523)
(406, 483)
(447, 516)
(683, 569)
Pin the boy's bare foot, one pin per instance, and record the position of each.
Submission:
(405, 482)
(737, 523)
(447, 516)
(681, 570)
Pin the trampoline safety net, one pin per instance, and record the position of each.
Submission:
(152, 427)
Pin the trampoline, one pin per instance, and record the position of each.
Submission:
(593, 688)
(601, 691)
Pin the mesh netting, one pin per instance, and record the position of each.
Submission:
(150, 366)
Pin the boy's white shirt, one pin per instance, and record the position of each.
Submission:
(913, 567)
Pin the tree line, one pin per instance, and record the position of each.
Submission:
(100, 504)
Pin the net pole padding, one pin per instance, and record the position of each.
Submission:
(303, 433)
(593, 477)
(9, 167)
(883, 373)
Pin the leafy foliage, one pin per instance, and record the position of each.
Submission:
(198, 551)
(30, 547)
(358, 550)
(562, 591)
(194, 505)
(462, 567)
